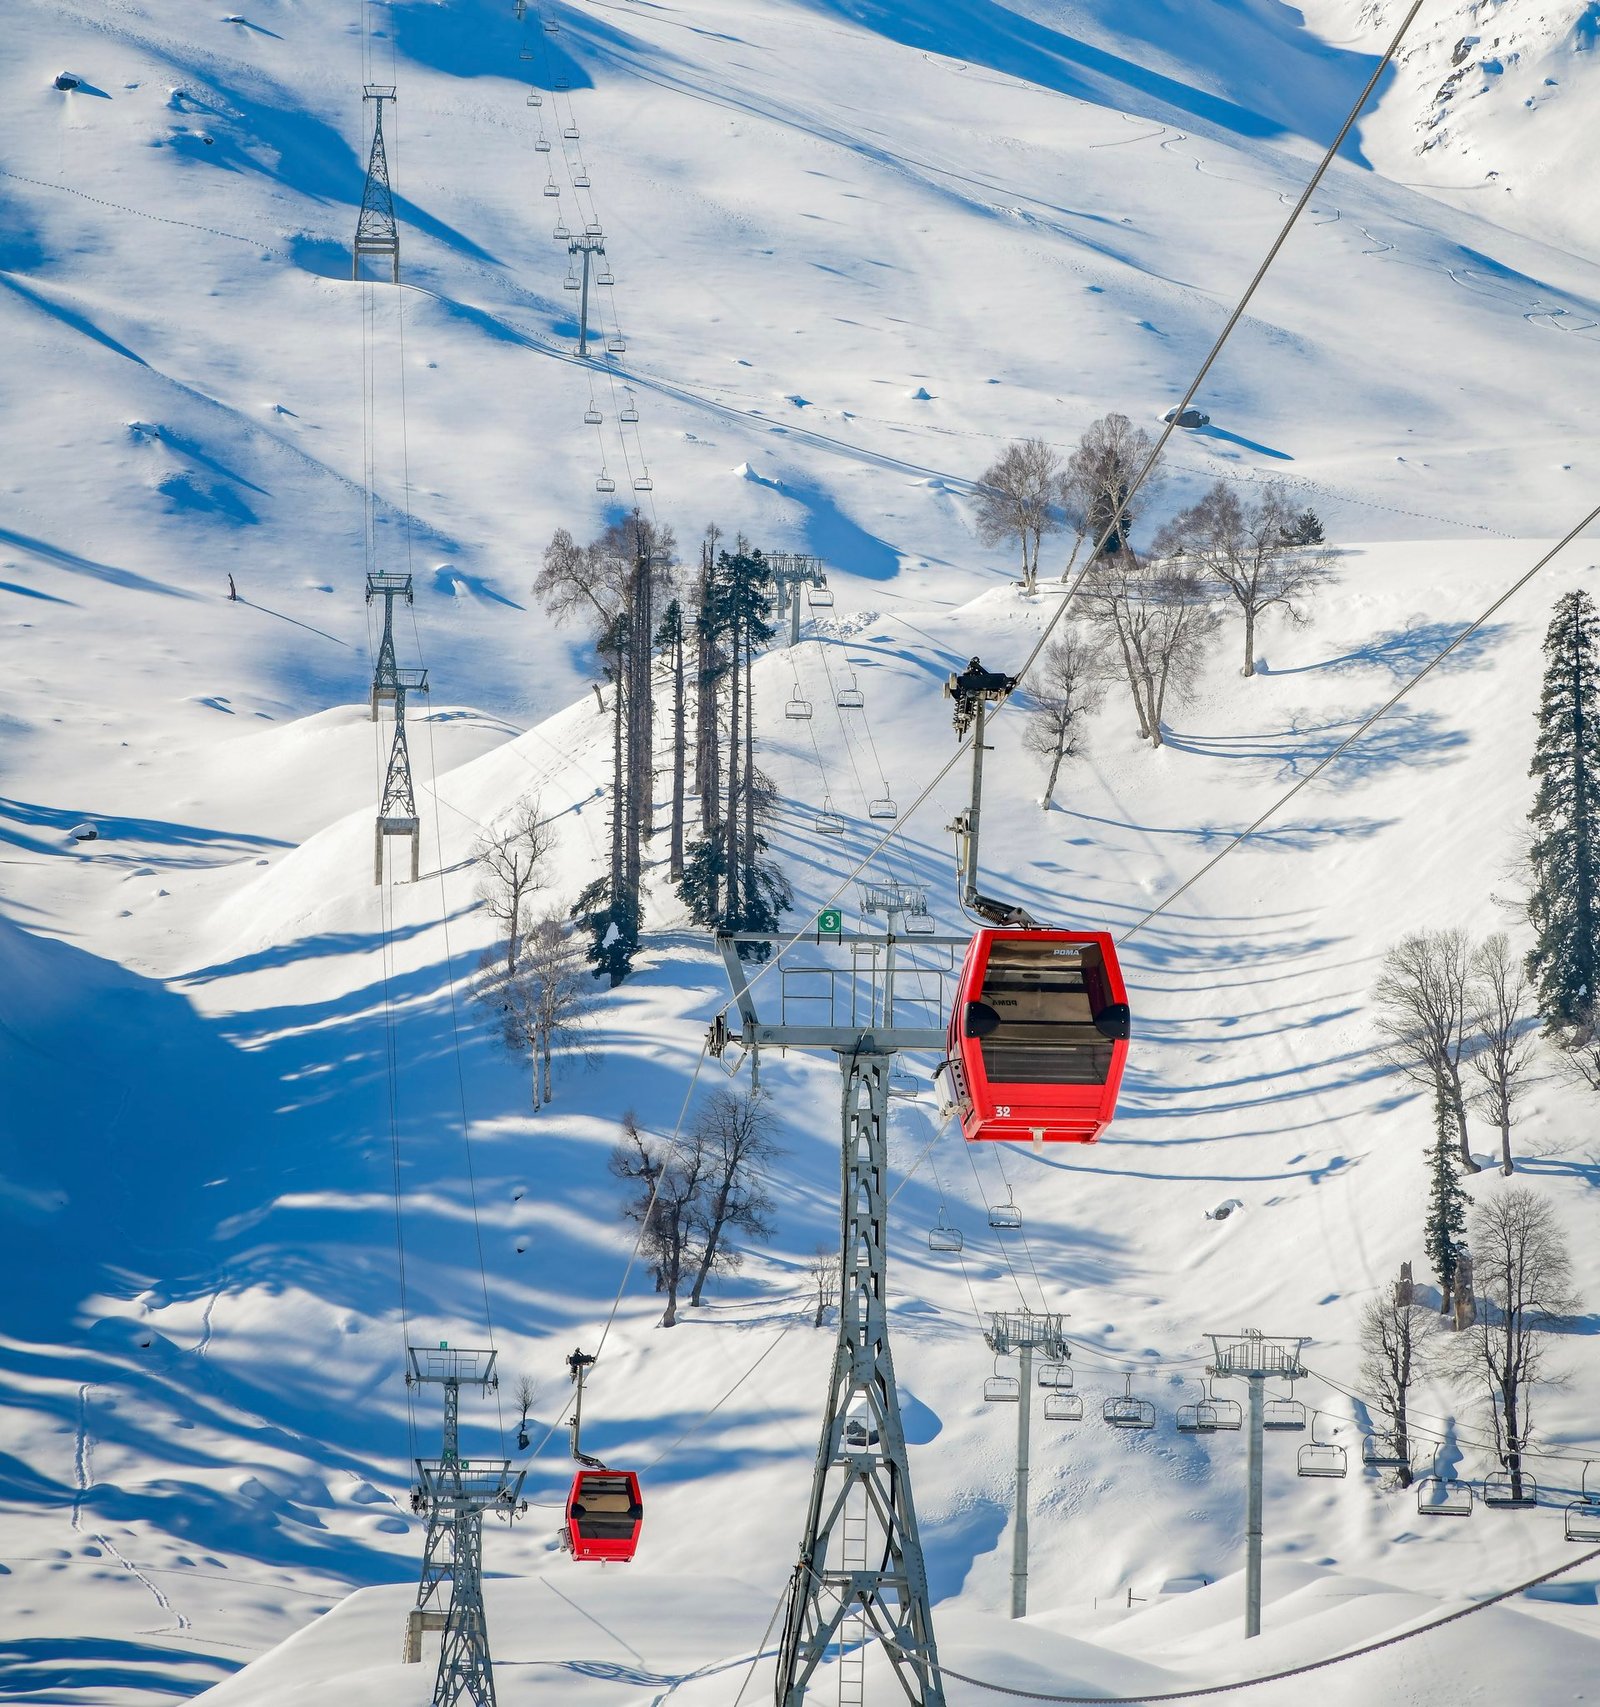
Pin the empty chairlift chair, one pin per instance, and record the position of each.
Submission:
(541, 144)
(1503, 1492)
(850, 697)
(828, 822)
(1381, 1451)
(1123, 1410)
(883, 807)
(1198, 1418)
(1001, 1389)
(643, 482)
(1583, 1514)
(592, 416)
(1057, 1377)
(1321, 1457)
(819, 598)
(1006, 1217)
(604, 482)
(943, 1237)
(797, 710)
(1285, 1415)
(1063, 1407)
(1441, 1495)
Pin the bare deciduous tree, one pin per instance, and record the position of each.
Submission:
(823, 1270)
(542, 1003)
(1498, 998)
(668, 1181)
(1067, 684)
(1099, 477)
(1155, 618)
(510, 854)
(1422, 1018)
(735, 1133)
(1016, 500)
(1242, 546)
(1396, 1342)
(1523, 1271)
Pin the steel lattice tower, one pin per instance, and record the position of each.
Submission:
(376, 231)
(388, 588)
(397, 810)
(456, 1492)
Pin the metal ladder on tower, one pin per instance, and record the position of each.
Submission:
(853, 1632)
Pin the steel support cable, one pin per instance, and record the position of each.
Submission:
(1387, 706)
(1022, 1233)
(1022, 1297)
(1169, 427)
(1271, 1677)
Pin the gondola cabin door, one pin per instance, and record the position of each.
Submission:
(1038, 1035)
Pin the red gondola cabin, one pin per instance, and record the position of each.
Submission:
(604, 1515)
(1038, 1035)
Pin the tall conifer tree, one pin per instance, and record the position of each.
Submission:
(1447, 1203)
(1562, 906)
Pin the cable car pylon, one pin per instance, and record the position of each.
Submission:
(860, 1576)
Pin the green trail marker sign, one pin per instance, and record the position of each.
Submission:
(830, 923)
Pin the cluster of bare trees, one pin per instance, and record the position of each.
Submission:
(1148, 620)
(533, 980)
(699, 634)
(1501, 1354)
(691, 1198)
(1456, 1017)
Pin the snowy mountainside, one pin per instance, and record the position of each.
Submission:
(858, 247)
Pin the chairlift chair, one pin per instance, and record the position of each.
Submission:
(1006, 1217)
(1283, 1414)
(944, 1237)
(850, 698)
(643, 483)
(563, 85)
(1443, 1496)
(797, 710)
(552, 26)
(616, 345)
(1063, 1407)
(572, 282)
(535, 99)
(550, 188)
(1321, 1457)
(580, 179)
(920, 924)
(1001, 1389)
(1123, 1410)
(605, 483)
(570, 132)
(592, 416)
(525, 53)
(560, 234)
(606, 277)
(542, 145)
(1055, 1375)
(1198, 1418)
(1500, 1492)
(594, 229)
(1583, 1514)
(884, 808)
(1382, 1452)
(819, 598)
(828, 822)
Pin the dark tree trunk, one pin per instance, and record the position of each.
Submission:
(676, 852)
(731, 820)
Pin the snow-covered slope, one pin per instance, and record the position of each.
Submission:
(858, 247)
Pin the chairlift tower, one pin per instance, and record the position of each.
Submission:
(377, 234)
(861, 1576)
(388, 588)
(898, 904)
(589, 246)
(1256, 1358)
(1021, 1333)
(456, 1492)
(397, 810)
(792, 570)
(974, 690)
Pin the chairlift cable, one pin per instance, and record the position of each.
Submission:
(1022, 1297)
(1169, 427)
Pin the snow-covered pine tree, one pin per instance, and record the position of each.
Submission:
(1447, 1203)
(1562, 905)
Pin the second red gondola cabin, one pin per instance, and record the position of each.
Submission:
(604, 1515)
(1038, 1035)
